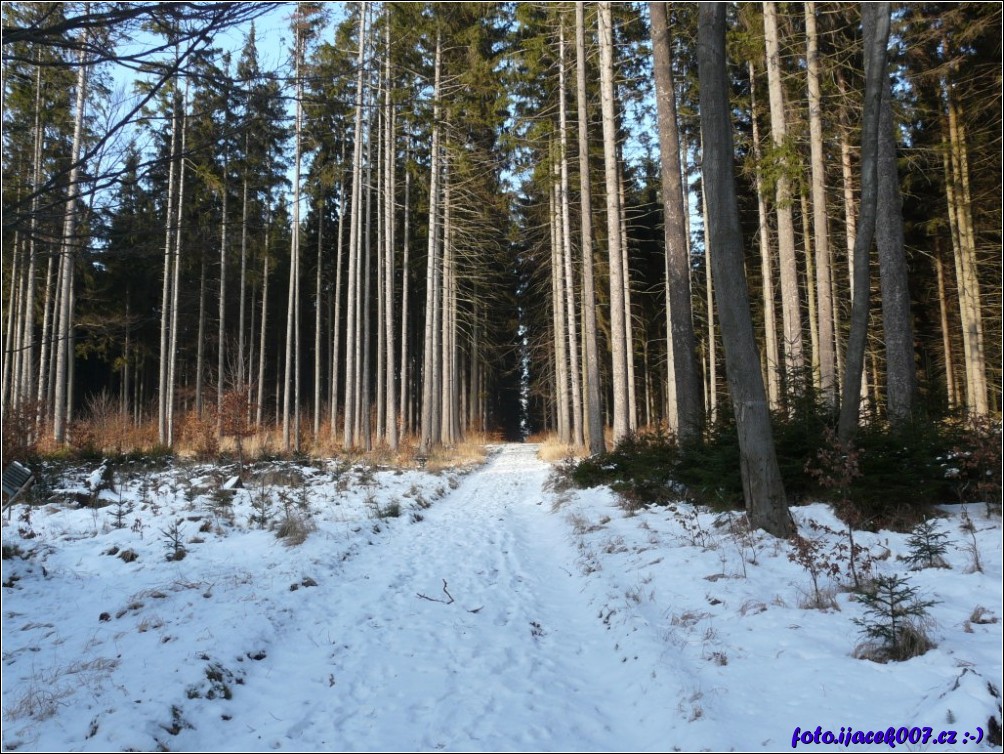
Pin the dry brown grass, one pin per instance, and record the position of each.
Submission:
(110, 432)
(552, 449)
(112, 435)
(913, 641)
(467, 453)
(294, 529)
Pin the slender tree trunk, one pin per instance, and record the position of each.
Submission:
(820, 228)
(619, 347)
(355, 218)
(966, 268)
(241, 315)
(200, 347)
(68, 254)
(762, 485)
(685, 412)
(847, 174)
(46, 344)
(390, 401)
(559, 326)
(578, 434)
(443, 370)
(291, 390)
(172, 357)
(875, 22)
(946, 337)
(790, 307)
(10, 346)
(709, 252)
(771, 355)
(380, 194)
(318, 318)
(632, 385)
(27, 391)
(364, 414)
(221, 346)
(897, 321)
(810, 289)
(252, 397)
(438, 284)
(126, 358)
(405, 276)
(165, 308)
(264, 331)
(428, 433)
(850, 214)
(336, 316)
(54, 342)
(593, 411)
(71, 366)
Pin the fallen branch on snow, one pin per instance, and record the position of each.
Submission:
(436, 599)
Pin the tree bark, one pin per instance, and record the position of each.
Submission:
(290, 374)
(172, 356)
(336, 315)
(68, 254)
(875, 22)
(791, 316)
(820, 229)
(200, 347)
(762, 485)
(772, 360)
(966, 269)
(558, 324)
(578, 434)
(264, 330)
(13, 324)
(355, 218)
(685, 416)
(242, 284)
(594, 415)
(946, 337)
(318, 318)
(27, 388)
(390, 400)
(363, 414)
(165, 316)
(897, 320)
(709, 276)
(405, 290)
(221, 351)
(429, 435)
(619, 347)
(46, 343)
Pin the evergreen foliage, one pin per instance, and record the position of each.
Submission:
(893, 620)
(508, 122)
(900, 474)
(927, 546)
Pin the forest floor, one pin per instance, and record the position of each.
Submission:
(464, 610)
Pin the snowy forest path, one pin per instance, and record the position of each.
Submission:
(470, 629)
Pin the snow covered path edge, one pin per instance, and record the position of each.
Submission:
(500, 617)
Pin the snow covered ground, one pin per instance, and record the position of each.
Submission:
(491, 612)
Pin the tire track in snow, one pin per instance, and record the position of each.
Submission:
(519, 660)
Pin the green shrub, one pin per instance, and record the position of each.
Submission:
(642, 469)
(927, 547)
(900, 473)
(893, 621)
(973, 465)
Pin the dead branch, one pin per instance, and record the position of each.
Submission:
(436, 599)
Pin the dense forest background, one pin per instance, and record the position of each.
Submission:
(442, 220)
